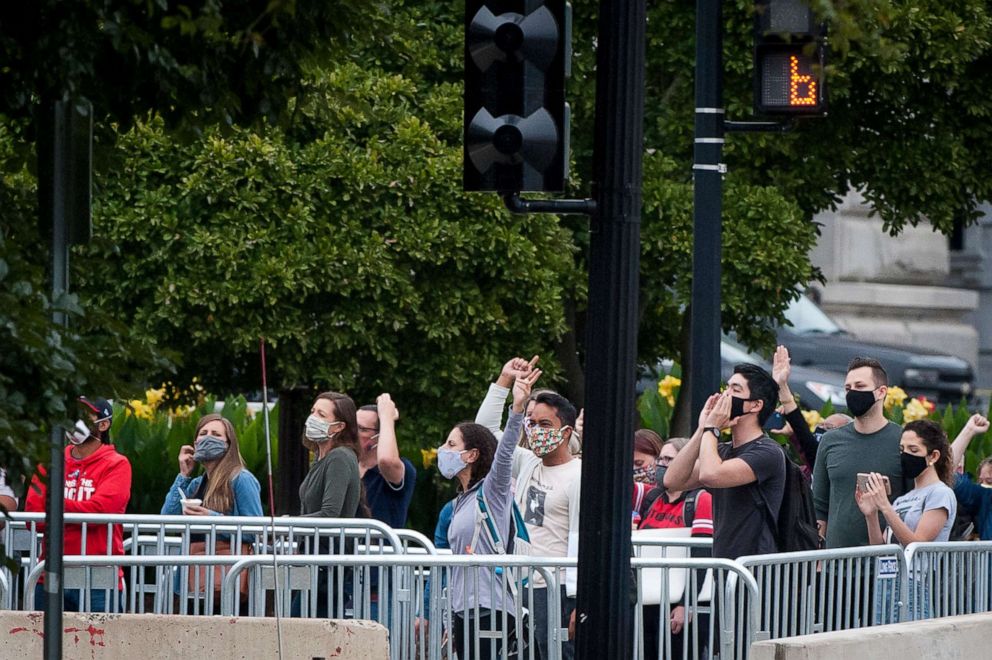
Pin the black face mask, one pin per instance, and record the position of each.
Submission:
(912, 465)
(860, 402)
(659, 475)
(737, 406)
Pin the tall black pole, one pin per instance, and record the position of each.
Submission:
(703, 365)
(53, 157)
(604, 615)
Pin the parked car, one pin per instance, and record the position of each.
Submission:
(814, 340)
(813, 387)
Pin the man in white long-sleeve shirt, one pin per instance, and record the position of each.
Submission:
(547, 490)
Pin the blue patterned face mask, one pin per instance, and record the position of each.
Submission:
(450, 463)
(209, 448)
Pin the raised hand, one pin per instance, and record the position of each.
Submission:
(579, 422)
(781, 366)
(977, 424)
(514, 366)
(522, 387)
(186, 462)
(387, 407)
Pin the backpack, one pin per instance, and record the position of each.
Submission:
(518, 538)
(795, 530)
(688, 508)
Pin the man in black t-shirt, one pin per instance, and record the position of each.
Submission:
(389, 479)
(744, 475)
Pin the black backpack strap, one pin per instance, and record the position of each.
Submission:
(759, 501)
(689, 507)
(649, 499)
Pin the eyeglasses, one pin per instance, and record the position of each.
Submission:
(367, 429)
(665, 460)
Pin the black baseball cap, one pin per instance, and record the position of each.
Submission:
(99, 407)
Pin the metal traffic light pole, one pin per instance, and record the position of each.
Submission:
(704, 345)
(605, 612)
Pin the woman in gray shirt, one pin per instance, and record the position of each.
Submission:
(332, 487)
(472, 456)
(925, 513)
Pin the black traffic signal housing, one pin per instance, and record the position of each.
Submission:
(789, 59)
(516, 119)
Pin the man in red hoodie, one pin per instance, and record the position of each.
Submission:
(97, 480)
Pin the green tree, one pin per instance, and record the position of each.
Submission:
(194, 64)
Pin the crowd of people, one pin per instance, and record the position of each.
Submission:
(871, 481)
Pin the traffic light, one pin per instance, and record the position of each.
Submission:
(789, 56)
(516, 119)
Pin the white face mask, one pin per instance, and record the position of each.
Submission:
(317, 429)
(80, 433)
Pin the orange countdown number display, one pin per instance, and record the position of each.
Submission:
(802, 87)
(788, 82)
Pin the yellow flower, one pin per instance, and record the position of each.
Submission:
(428, 456)
(915, 410)
(154, 397)
(813, 418)
(180, 411)
(140, 409)
(895, 397)
(668, 387)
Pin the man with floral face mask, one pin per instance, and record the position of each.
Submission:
(547, 494)
(870, 444)
(97, 480)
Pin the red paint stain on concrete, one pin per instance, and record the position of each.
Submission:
(14, 631)
(96, 634)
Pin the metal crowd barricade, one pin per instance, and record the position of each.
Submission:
(823, 590)
(948, 579)
(660, 592)
(165, 590)
(430, 634)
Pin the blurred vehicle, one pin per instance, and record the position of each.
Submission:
(812, 387)
(814, 340)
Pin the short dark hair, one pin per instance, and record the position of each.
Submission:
(563, 407)
(763, 388)
(370, 407)
(477, 436)
(877, 370)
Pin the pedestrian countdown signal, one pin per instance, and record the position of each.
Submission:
(788, 59)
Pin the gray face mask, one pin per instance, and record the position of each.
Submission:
(209, 448)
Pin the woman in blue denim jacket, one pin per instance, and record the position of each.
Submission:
(226, 488)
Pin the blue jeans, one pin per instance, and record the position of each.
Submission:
(72, 600)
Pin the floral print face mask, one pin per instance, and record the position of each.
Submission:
(543, 441)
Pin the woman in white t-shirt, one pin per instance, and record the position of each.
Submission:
(924, 514)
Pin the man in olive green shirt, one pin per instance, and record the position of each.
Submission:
(870, 444)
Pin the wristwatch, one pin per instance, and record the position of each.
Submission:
(714, 430)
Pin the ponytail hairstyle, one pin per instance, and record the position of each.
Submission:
(478, 437)
(934, 439)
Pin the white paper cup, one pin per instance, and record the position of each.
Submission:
(192, 502)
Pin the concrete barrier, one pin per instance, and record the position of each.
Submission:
(949, 638)
(152, 636)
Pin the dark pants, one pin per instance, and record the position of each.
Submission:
(541, 632)
(489, 649)
(72, 600)
(327, 582)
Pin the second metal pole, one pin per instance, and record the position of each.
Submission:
(703, 365)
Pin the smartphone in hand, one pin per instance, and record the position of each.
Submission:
(863, 483)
